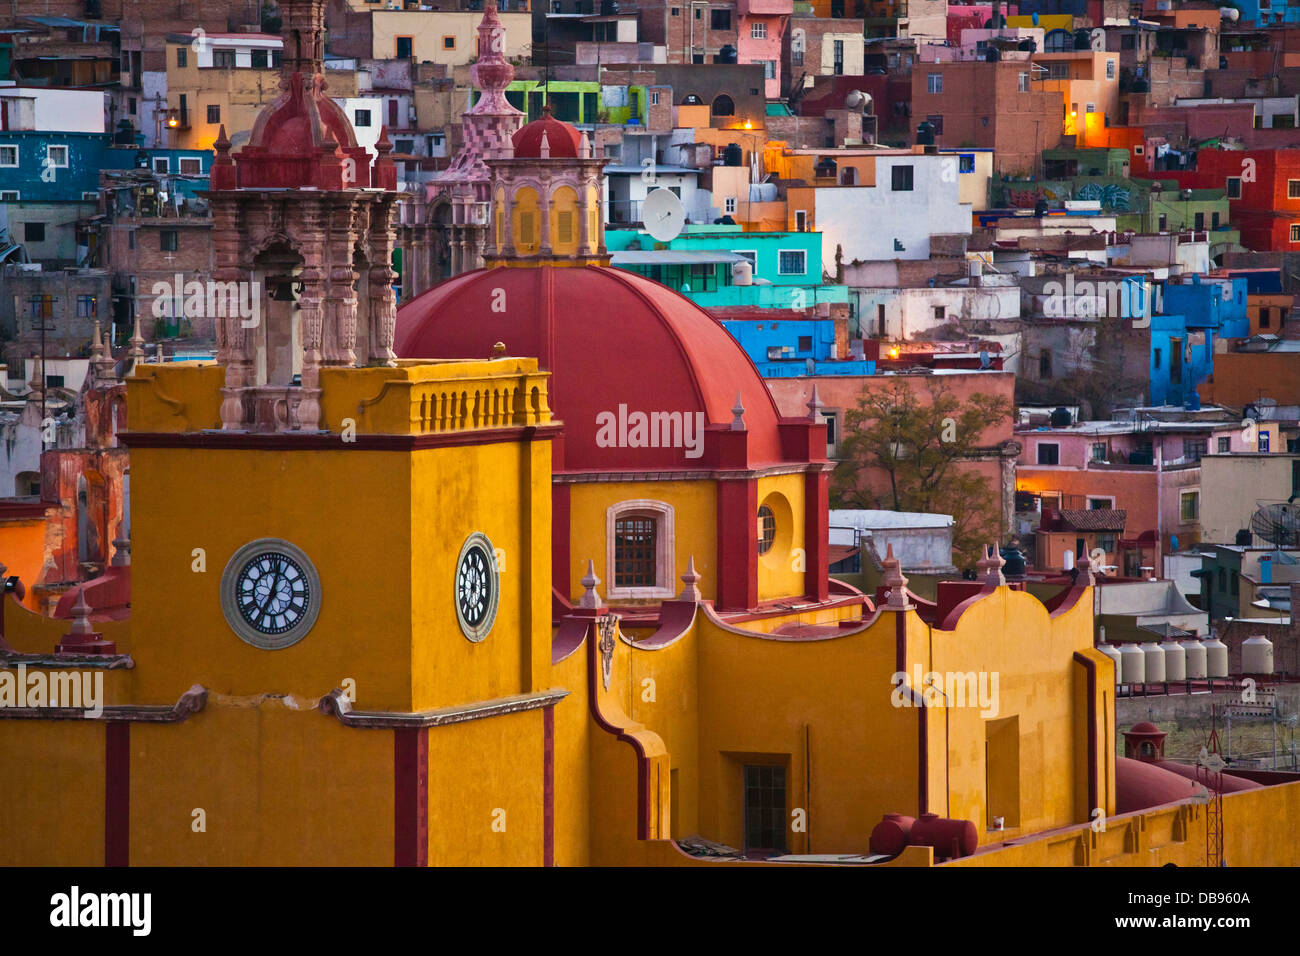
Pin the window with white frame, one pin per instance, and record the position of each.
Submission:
(1293, 189)
(56, 156)
(162, 164)
(1110, 69)
(8, 155)
(758, 31)
(191, 166)
(729, 204)
(1023, 86)
(10, 195)
(934, 83)
(792, 262)
(640, 549)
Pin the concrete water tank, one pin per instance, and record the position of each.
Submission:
(1155, 656)
(1110, 651)
(1135, 663)
(1257, 655)
(1175, 660)
(1196, 659)
(1216, 654)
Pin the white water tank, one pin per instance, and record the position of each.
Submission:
(1257, 655)
(1155, 662)
(1175, 660)
(1216, 653)
(1110, 651)
(1196, 658)
(1135, 663)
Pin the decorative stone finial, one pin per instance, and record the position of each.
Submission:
(101, 357)
(545, 150)
(121, 550)
(1084, 576)
(690, 580)
(990, 566)
(37, 383)
(584, 146)
(82, 638)
(738, 415)
(135, 354)
(590, 598)
(815, 405)
(894, 580)
(499, 350)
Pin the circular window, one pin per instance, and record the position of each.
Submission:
(478, 587)
(270, 594)
(766, 529)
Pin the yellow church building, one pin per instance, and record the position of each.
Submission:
(417, 588)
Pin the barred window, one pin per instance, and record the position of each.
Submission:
(766, 529)
(635, 551)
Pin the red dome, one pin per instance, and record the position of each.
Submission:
(562, 139)
(1140, 785)
(1145, 727)
(609, 338)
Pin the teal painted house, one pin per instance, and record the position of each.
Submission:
(702, 263)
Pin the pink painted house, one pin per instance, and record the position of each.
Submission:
(760, 27)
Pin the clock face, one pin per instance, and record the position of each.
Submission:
(270, 593)
(478, 583)
(273, 592)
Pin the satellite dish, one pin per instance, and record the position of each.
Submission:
(1277, 524)
(663, 215)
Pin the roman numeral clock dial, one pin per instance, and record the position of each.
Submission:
(477, 587)
(270, 593)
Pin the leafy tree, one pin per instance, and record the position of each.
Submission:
(902, 452)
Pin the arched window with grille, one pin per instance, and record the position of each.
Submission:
(640, 550)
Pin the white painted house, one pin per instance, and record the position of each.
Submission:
(915, 197)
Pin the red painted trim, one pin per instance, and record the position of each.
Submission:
(411, 797)
(117, 793)
(318, 441)
(560, 525)
(737, 584)
(642, 761)
(548, 786)
(900, 643)
(816, 523)
(1090, 667)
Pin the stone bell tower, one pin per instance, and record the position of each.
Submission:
(304, 216)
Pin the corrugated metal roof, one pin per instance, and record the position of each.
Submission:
(70, 22)
(671, 257)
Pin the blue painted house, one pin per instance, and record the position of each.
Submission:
(784, 347)
(1192, 315)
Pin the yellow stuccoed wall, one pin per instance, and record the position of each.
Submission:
(487, 812)
(694, 518)
(780, 574)
(279, 783)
